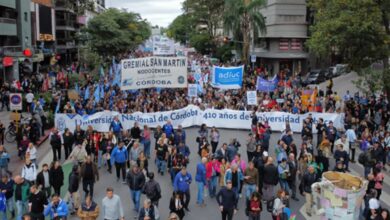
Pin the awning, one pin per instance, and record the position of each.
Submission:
(287, 55)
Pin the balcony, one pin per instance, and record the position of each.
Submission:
(7, 20)
(64, 6)
(67, 25)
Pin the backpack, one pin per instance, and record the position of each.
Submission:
(270, 204)
(362, 158)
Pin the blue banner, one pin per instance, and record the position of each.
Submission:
(228, 77)
(265, 85)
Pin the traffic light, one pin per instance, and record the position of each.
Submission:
(27, 52)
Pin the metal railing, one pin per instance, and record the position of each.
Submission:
(8, 20)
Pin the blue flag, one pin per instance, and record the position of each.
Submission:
(101, 70)
(77, 88)
(96, 94)
(110, 71)
(58, 105)
(102, 91)
(86, 95)
(117, 77)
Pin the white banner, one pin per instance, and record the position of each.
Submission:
(149, 72)
(251, 97)
(192, 90)
(192, 116)
(163, 46)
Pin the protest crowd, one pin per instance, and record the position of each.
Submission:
(230, 172)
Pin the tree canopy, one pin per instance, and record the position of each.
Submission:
(243, 19)
(117, 31)
(357, 30)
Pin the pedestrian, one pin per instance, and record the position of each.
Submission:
(152, 189)
(142, 162)
(56, 175)
(291, 180)
(136, 181)
(251, 177)
(29, 172)
(161, 151)
(234, 175)
(43, 180)
(308, 179)
(119, 157)
(72, 196)
(212, 173)
(57, 208)
(222, 152)
(284, 174)
(68, 142)
(88, 210)
(21, 195)
(201, 182)
(79, 153)
(227, 200)
(378, 178)
(116, 127)
(251, 146)
(4, 160)
(3, 206)
(134, 153)
(31, 153)
(7, 188)
(56, 142)
(37, 203)
(270, 180)
(146, 140)
(242, 167)
(254, 206)
(181, 184)
(214, 139)
(176, 204)
(277, 211)
(147, 212)
(168, 129)
(179, 136)
(89, 173)
(112, 206)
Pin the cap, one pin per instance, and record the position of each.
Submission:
(265, 154)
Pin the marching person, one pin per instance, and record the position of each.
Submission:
(21, 195)
(270, 179)
(37, 203)
(56, 175)
(57, 208)
(73, 196)
(308, 179)
(227, 200)
(43, 180)
(79, 153)
(181, 184)
(88, 210)
(119, 157)
(152, 189)
(176, 204)
(136, 181)
(291, 180)
(201, 182)
(7, 187)
(56, 142)
(89, 173)
(147, 212)
(112, 206)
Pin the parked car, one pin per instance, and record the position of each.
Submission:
(315, 77)
(331, 72)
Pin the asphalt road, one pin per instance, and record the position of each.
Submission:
(341, 84)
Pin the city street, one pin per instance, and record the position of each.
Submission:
(211, 211)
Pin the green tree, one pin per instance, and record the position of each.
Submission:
(202, 43)
(358, 30)
(205, 13)
(181, 29)
(117, 31)
(243, 19)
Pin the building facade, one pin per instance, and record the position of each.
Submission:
(15, 36)
(282, 46)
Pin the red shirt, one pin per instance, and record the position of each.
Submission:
(254, 205)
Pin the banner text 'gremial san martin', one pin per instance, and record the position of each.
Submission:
(192, 116)
(149, 72)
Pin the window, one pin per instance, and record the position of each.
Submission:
(296, 44)
(283, 44)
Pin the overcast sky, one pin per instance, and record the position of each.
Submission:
(158, 12)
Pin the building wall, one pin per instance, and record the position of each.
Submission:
(24, 22)
(8, 3)
(8, 29)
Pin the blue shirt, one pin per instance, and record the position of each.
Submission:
(200, 173)
(119, 155)
(168, 130)
(182, 183)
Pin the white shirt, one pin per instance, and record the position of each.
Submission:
(29, 97)
(373, 203)
(29, 173)
(33, 153)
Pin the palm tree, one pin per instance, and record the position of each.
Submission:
(243, 19)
